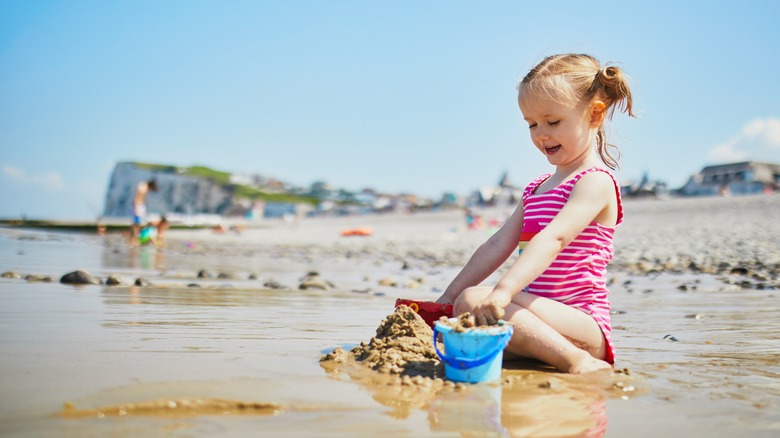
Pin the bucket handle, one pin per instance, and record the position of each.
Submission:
(465, 363)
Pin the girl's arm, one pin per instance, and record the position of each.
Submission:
(592, 199)
(487, 258)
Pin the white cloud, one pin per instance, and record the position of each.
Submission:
(727, 152)
(758, 140)
(49, 181)
(14, 173)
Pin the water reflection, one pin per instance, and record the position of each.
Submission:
(475, 411)
(527, 402)
(147, 258)
(537, 404)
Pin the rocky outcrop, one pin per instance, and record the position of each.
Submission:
(176, 193)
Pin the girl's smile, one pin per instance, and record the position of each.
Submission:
(564, 134)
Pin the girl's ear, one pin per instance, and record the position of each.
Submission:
(597, 113)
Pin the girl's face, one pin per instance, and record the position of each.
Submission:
(564, 134)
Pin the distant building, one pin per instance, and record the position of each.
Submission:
(737, 178)
(645, 188)
(504, 194)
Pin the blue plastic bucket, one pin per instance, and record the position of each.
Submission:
(473, 355)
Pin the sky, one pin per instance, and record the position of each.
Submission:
(399, 96)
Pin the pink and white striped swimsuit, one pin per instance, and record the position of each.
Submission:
(577, 277)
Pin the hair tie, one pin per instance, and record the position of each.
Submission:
(599, 72)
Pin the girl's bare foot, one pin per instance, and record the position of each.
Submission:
(589, 364)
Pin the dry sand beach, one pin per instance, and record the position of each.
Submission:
(222, 340)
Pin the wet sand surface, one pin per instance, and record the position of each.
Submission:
(235, 357)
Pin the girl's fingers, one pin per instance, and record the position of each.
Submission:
(486, 317)
(488, 313)
(482, 318)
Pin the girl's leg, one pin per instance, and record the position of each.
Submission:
(547, 330)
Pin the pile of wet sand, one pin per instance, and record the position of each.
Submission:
(403, 347)
(402, 357)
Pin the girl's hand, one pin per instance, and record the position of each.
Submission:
(443, 300)
(491, 309)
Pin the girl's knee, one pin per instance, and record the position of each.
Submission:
(469, 299)
(460, 306)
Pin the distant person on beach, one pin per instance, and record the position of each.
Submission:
(154, 233)
(473, 221)
(555, 292)
(139, 207)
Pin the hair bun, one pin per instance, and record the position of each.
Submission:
(608, 73)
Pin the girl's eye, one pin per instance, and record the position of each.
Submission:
(554, 123)
(532, 126)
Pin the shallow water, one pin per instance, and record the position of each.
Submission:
(97, 346)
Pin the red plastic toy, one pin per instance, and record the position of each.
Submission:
(428, 310)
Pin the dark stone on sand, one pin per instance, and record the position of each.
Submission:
(273, 284)
(252, 276)
(35, 278)
(11, 274)
(413, 283)
(142, 282)
(314, 281)
(79, 277)
(225, 276)
(388, 282)
(114, 280)
(194, 285)
(693, 267)
(204, 274)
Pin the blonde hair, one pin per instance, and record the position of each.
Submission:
(572, 79)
